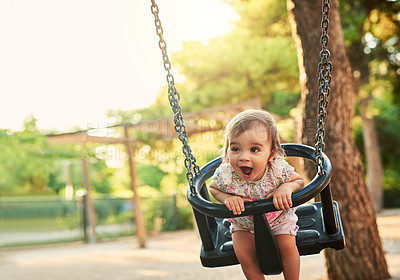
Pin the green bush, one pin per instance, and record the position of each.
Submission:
(391, 189)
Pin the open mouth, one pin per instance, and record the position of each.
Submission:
(246, 171)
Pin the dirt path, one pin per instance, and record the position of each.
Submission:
(170, 256)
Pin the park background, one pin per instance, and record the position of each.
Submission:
(97, 65)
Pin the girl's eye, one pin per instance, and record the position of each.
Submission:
(255, 150)
(234, 149)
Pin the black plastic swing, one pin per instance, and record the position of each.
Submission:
(319, 222)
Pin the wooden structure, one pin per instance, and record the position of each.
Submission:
(82, 138)
(163, 127)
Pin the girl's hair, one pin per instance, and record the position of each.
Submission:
(249, 119)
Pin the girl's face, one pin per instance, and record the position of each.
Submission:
(250, 152)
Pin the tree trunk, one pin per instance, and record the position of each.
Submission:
(372, 154)
(359, 64)
(363, 257)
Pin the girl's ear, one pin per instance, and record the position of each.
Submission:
(272, 155)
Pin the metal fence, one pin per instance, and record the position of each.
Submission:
(31, 221)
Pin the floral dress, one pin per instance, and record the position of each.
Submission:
(228, 181)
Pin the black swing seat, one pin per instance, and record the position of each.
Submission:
(319, 223)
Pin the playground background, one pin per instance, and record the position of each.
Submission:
(53, 219)
(169, 255)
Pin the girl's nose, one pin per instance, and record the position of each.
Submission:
(244, 156)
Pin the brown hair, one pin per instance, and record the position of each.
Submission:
(248, 119)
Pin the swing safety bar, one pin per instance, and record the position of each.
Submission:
(201, 202)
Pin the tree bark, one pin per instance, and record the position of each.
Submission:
(359, 64)
(363, 256)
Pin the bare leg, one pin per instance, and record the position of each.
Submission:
(290, 256)
(245, 249)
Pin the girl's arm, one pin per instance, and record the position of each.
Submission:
(282, 196)
(233, 202)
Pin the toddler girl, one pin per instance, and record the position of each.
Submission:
(254, 168)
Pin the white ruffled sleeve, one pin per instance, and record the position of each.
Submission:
(223, 177)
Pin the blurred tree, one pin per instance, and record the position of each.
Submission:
(357, 261)
(250, 61)
(368, 24)
(265, 18)
(150, 175)
(28, 165)
(234, 68)
(24, 160)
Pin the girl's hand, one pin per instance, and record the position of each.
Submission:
(235, 204)
(282, 197)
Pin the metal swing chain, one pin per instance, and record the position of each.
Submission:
(324, 81)
(174, 97)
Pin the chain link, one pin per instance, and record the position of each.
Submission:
(324, 81)
(174, 98)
